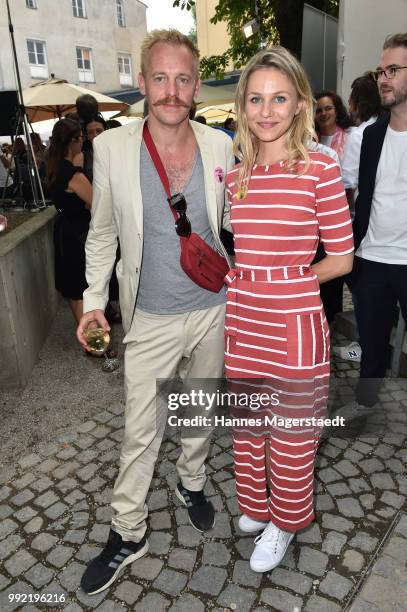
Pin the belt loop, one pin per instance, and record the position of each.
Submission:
(285, 273)
(252, 275)
(268, 275)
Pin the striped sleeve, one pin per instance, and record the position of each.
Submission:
(332, 209)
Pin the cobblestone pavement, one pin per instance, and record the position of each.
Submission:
(55, 514)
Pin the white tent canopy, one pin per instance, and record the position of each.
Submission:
(56, 97)
(44, 128)
(217, 113)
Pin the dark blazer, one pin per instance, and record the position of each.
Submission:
(372, 144)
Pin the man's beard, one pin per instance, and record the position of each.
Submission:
(399, 98)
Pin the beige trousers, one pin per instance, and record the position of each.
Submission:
(161, 347)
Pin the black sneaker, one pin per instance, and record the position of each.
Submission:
(201, 512)
(104, 569)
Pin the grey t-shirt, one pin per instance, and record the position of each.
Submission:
(164, 287)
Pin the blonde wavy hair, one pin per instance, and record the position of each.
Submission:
(301, 131)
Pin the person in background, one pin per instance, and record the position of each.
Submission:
(225, 235)
(20, 149)
(5, 171)
(5, 192)
(93, 127)
(230, 124)
(276, 330)
(21, 177)
(332, 121)
(39, 149)
(379, 277)
(112, 123)
(5, 156)
(87, 107)
(200, 119)
(71, 193)
(332, 124)
(364, 108)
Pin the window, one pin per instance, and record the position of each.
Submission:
(37, 59)
(84, 63)
(120, 13)
(79, 9)
(125, 74)
(32, 4)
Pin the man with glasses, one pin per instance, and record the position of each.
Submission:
(380, 226)
(173, 326)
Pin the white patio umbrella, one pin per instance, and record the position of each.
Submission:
(44, 128)
(56, 97)
(217, 113)
(208, 95)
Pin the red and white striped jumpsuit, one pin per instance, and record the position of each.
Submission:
(276, 327)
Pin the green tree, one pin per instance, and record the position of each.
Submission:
(280, 23)
(192, 33)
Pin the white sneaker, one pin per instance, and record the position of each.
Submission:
(351, 352)
(270, 549)
(249, 525)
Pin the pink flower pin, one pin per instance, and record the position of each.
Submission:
(219, 174)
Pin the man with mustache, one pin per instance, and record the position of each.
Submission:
(172, 325)
(380, 226)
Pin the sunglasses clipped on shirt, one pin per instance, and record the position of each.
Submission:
(389, 73)
(182, 224)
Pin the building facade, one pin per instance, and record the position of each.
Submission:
(92, 43)
(213, 38)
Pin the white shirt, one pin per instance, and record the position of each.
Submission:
(386, 237)
(326, 140)
(351, 155)
(3, 176)
(321, 148)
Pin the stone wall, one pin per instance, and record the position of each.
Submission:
(28, 299)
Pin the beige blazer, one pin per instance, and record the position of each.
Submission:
(117, 209)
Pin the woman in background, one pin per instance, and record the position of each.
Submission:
(71, 193)
(332, 121)
(39, 152)
(332, 124)
(96, 125)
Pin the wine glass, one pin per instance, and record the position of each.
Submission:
(98, 340)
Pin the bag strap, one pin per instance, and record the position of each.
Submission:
(159, 166)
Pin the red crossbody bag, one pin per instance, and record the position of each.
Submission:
(199, 261)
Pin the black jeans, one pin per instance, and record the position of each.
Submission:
(377, 287)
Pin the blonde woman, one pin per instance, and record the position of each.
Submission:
(283, 197)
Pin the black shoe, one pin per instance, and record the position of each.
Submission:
(201, 512)
(104, 569)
